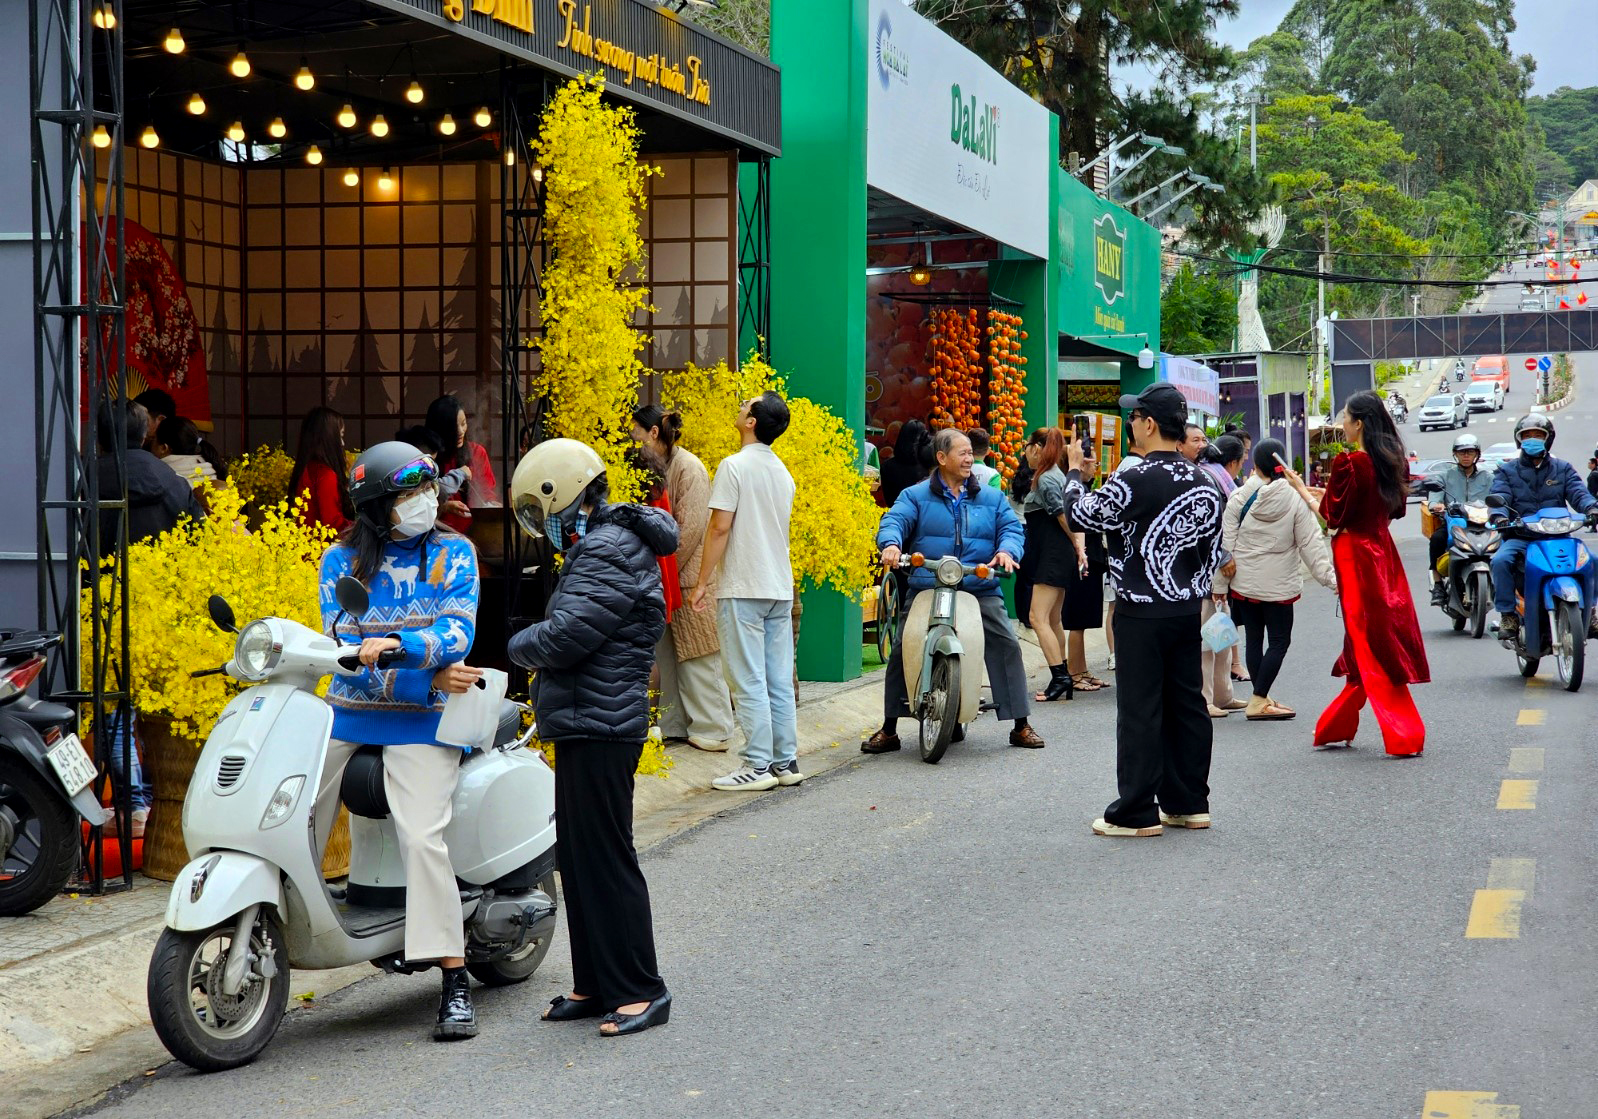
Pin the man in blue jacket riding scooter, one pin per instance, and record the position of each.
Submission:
(1533, 481)
(948, 514)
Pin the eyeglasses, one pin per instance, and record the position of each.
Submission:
(415, 473)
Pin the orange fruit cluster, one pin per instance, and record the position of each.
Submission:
(955, 358)
(1006, 390)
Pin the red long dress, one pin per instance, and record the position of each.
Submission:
(482, 490)
(1382, 648)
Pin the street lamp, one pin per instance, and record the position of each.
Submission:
(1200, 181)
(1110, 152)
(1156, 147)
(1153, 190)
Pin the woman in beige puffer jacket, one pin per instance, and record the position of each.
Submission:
(1271, 536)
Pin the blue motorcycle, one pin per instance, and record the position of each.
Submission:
(1558, 592)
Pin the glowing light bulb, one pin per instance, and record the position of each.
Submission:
(235, 132)
(510, 158)
(483, 118)
(148, 138)
(414, 93)
(346, 117)
(240, 64)
(379, 126)
(385, 181)
(352, 177)
(446, 125)
(313, 156)
(305, 79)
(196, 104)
(538, 174)
(277, 128)
(100, 138)
(173, 42)
(105, 17)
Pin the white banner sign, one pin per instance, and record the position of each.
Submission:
(1196, 381)
(947, 133)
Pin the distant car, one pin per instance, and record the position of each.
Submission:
(1426, 470)
(1492, 367)
(1444, 410)
(1484, 396)
(1531, 303)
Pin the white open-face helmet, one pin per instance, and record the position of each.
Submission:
(549, 481)
(1466, 443)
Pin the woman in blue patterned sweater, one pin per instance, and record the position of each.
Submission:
(423, 585)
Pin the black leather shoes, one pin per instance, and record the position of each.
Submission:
(563, 1009)
(457, 1020)
(656, 1013)
(880, 743)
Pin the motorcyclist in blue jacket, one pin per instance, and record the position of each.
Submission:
(1530, 483)
(949, 514)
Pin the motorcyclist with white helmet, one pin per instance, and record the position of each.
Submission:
(1464, 483)
(1529, 483)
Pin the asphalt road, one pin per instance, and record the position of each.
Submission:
(900, 938)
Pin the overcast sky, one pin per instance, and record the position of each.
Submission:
(1557, 33)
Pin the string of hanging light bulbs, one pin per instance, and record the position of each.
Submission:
(304, 79)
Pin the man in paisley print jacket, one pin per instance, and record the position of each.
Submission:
(1167, 515)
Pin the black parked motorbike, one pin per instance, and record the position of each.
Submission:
(46, 780)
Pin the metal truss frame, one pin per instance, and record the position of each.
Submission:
(754, 264)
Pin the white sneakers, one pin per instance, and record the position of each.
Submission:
(1193, 822)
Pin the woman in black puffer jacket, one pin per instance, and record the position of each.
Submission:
(593, 652)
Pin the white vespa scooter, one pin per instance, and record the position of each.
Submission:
(252, 901)
(944, 628)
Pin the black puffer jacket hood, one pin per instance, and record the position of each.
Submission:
(595, 647)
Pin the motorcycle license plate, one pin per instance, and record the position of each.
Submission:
(71, 763)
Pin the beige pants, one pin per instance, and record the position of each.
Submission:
(693, 694)
(1216, 667)
(420, 781)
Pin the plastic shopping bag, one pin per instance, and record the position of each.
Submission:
(1219, 633)
(471, 717)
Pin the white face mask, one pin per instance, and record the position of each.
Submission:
(416, 513)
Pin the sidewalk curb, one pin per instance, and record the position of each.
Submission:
(74, 1023)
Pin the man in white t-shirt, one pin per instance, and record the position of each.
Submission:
(751, 502)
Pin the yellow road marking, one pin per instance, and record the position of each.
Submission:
(1512, 874)
(1517, 794)
(1536, 682)
(1495, 915)
(1467, 1105)
(1526, 759)
(1530, 717)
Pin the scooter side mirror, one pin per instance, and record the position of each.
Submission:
(1497, 501)
(351, 595)
(221, 614)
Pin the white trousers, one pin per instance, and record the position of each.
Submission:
(693, 694)
(420, 781)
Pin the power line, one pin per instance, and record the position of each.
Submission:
(1237, 269)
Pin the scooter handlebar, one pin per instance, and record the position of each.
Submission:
(351, 662)
(980, 570)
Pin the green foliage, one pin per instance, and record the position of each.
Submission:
(745, 22)
(1569, 119)
(1063, 55)
(1198, 314)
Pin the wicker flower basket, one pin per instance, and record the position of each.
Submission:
(169, 760)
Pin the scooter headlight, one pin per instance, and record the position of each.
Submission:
(950, 571)
(1556, 526)
(256, 652)
(281, 806)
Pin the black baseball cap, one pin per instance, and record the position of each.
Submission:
(1161, 402)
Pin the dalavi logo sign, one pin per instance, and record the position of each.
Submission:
(974, 126)
(893, 62)
(1109, 259)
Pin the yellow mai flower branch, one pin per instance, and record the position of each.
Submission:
(270, 571)
(593, 193)
(832, 536)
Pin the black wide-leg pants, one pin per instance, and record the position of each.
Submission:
(1163, 733)
(607, 900)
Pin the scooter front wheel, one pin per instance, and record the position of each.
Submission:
(200, 1024)
(940, 708)
(1570, 644)
(519, 965)
(1481, 593)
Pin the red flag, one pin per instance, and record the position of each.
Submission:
(1582, 298)
(1563, 306)
(1575, 262)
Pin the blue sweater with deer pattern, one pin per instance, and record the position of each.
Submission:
(425, 594)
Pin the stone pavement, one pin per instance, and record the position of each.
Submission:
(73, 1016)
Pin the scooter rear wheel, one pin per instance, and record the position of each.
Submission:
(940, 708)
(518, 967)
(44, 839)
(200, 1025)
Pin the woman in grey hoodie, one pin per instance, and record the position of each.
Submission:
(1272, 536)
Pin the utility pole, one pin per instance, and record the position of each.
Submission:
(1320, 315)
